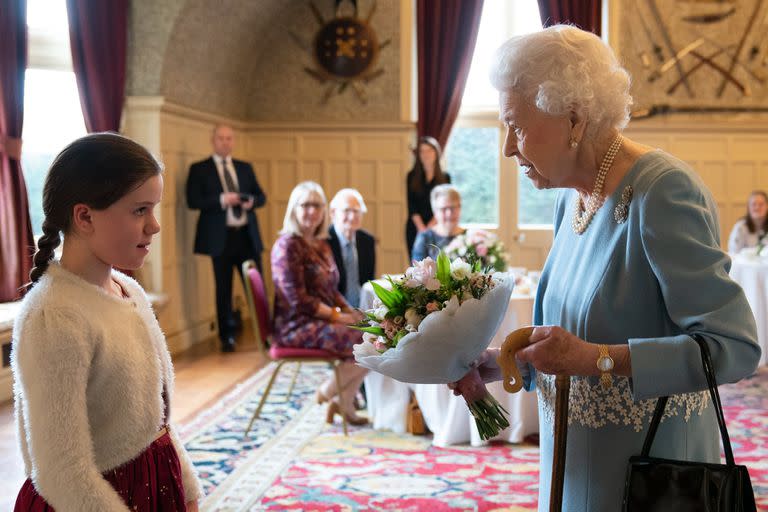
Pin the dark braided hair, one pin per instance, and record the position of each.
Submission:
(96, 170)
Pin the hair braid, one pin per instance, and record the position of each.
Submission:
(46, 246)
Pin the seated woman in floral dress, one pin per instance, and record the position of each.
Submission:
(310, 312)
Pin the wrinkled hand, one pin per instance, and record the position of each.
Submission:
(555, 351)
(483, 370)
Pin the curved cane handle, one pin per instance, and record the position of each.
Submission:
(516, 340)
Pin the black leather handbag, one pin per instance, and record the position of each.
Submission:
(655, 484)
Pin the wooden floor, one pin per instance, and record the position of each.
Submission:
(202, 376)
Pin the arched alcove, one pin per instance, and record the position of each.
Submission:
(245, 59)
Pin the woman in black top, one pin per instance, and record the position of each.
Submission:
(425, 175)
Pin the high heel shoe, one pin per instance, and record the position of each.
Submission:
(333, 409)
(353, 419)
(322, 397)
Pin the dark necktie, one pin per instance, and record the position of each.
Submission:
(237, 210)
(352, 293)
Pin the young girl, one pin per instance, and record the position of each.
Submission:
(93, 376)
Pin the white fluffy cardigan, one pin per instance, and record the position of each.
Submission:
(89, 371)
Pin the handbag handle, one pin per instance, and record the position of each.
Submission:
(661, 404)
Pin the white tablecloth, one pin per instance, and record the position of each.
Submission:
(446, 415)
(752, 275)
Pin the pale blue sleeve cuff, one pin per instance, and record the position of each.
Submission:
(665, 366)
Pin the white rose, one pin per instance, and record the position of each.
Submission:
(460, 269)
(413, 317)
(370, 338)
(380, 312)
(462, 251)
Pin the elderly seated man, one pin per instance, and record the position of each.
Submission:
(354, 249)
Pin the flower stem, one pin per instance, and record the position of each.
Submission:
(489, 416)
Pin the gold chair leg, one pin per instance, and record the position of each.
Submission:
(264, 397)
(293, 381)
(337, 373)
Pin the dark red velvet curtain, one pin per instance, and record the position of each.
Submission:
(16, 242)
(585, 14)
(446, 35)
(98, 34)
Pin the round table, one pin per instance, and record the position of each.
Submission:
(751, 273)
(446, 415)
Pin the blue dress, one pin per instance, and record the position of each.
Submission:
(649, 282)
(429, 243)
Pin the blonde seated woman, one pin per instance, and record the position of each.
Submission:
(310, 312)
(446, 205)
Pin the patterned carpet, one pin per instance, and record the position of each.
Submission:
(293, 461)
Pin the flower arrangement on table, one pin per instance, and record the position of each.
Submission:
(479, 245)
(433, 323)
(760, 250)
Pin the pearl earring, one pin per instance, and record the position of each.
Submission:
(574, 144)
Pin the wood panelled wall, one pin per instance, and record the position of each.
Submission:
(729, 153)
(374, 159)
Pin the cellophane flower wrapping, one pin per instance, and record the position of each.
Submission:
(433, 324)
(479, 245)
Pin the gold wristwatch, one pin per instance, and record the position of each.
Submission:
(605, 365)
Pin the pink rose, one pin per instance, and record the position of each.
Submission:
(380, 344)
(482, 251)
(432, 307)
(422, 273)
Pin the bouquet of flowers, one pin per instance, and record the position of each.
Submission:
(479, 245)
(758, 251)
(432, 324)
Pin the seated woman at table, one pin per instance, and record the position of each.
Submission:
(446, 205)
(310, 312)
(753, 226)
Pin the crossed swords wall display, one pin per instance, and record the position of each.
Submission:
(697, 55)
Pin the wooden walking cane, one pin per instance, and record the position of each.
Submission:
(562, 392)
(513, 383)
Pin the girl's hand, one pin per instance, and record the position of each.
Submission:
(470, 386)
(555, 351)
(192, 506)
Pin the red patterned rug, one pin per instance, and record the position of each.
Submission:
(371, 470)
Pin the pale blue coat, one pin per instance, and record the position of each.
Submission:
(649, 282)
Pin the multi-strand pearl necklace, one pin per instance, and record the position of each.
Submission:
(582, 215)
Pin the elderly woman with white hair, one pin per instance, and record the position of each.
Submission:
(446, 206)
(635, 271)
(309, 311)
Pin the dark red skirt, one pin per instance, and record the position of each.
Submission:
(149, 483)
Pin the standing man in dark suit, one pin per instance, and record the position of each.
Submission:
(226, 192)
(353, 248)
